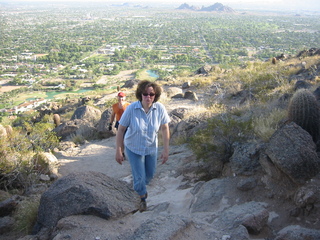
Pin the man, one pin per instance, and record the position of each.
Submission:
(117, 111)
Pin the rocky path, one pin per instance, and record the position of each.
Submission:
(169, 193)
(94, 156)
(179, 207)
(100, 156)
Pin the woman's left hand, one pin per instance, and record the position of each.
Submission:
(165, 137)
(164, 157)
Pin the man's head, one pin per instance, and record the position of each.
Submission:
(121, 96)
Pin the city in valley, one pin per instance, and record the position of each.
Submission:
(68, 46)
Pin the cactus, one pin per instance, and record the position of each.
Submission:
(56, 119)
(304, 110)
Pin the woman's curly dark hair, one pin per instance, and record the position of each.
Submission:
(143, 85)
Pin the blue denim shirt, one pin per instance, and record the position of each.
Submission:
(142, 128)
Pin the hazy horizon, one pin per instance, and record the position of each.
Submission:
(294, 5)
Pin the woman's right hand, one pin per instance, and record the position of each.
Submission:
(119, 143)
(119, 157)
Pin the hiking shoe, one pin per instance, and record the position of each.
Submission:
(143, 206)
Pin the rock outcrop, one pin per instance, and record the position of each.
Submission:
(103, 125)
(293, 152)
(75, 127)
(86, 112)
(87, 193)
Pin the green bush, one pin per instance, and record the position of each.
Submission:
(18, 169)
(42, 138)
(214, 144)
(26, 215)
(266, 124)
(77, 138)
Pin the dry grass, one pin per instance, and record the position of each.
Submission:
(4, 89)
(26, 215)
(266, 124)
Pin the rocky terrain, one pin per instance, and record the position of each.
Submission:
(266, 190)
(179, 206)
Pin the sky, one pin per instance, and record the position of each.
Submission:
(312, 5)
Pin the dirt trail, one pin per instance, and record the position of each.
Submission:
(164, 191)
(94, 156)
(100, 156)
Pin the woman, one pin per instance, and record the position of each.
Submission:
(141, 122)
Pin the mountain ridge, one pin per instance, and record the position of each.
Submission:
(217, 7)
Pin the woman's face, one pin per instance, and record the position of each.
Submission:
(148, 95)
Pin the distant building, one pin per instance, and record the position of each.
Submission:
(29, 105)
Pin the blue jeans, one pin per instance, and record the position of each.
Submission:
(143, 169)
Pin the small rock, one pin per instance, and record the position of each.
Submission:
(44, 178)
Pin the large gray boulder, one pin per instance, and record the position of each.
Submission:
(185, 128)
(172, 91)
(163, 227)
(6, 224)
(252, 215)
(130, 83)
(91, 193)
(307, 198)
(190, 95)
(87, 112)
(205, 70)
(75, 127)
(211, 195)
(176, 116)
(82, 123)
(9, 205)
(245, 159)
(103, 125)
(220, 197)
(186, 85)
(296, 232)
(292, 151)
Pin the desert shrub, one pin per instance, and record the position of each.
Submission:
(214, 144)
(215, 108)
(47, 118)
(202, 82)
(17, 171)
(26, 215)
(66, 116)
(41, 163)
(77, 138)
(266, 124)
(41, 137)
(4, 195)
(181, 72)
(262, 80)
(17, 166)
